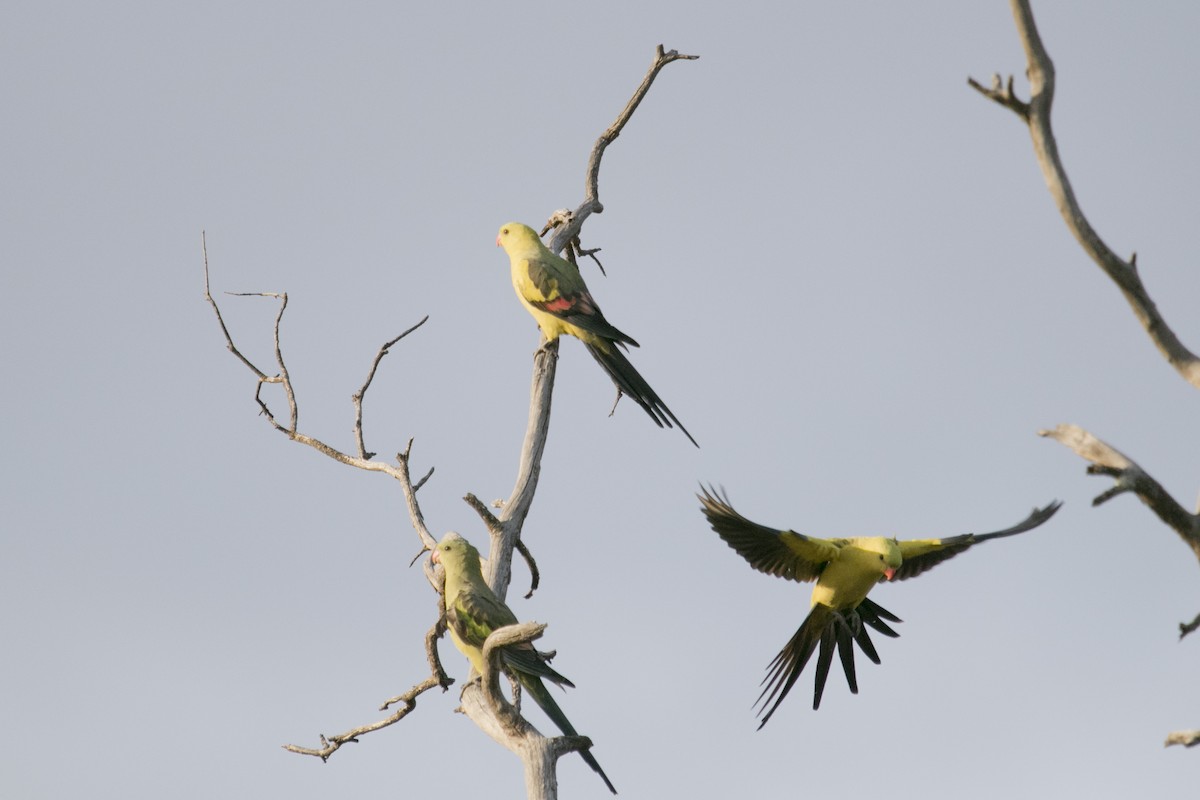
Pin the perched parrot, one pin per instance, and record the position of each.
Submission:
(473, 611)
(553, 291)
(845, 570)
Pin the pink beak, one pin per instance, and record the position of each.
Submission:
(434, 558)
(497, 240)
(888, 573)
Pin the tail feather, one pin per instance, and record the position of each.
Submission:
(845, 643)
(630, 383)
(541, 695)
(824, 660)
(792, 659)
(829, 629)
(874, 615)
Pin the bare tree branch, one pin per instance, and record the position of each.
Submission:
(363, 461)
(510, 717)
(1040, 71)
(486, 707)
(539, 754)
(591, 203)
(358, 396)
(1129, 477)
(330, 744)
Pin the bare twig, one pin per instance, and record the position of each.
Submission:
(591, 203)
(363, 461)
(1129, 477)
(221, 320)
(1040, 70)
(358, 396)
(1002, 94)
(534, 576)
(485, 513)
(330, 744)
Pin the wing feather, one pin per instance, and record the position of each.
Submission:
(785, 554)
(920, 555)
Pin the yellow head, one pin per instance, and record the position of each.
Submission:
(456, 555)
(517, 238)
(885, 552)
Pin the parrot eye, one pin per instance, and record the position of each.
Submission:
(504, 232)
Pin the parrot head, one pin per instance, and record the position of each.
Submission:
(887, 552)
(456, 554)
(515, 237)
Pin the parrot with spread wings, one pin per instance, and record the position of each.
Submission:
(845, 570)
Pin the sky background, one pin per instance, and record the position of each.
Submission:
(849, 283)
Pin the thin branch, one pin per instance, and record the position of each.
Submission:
(410, 496)
(221, 320)
(1002, 94)
(485, 513)
(1129, 477)
(330, 744)
(535, 577)
(431, 651)
(358, 396)
(661, 59)
(437, 677)
(591, 203)
(363, 461)
(1040, 70)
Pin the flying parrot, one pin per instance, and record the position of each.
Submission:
(553, 291)
(473, 611)
(844, 571)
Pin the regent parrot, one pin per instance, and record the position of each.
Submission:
(844, 571)
(553, 291)
(473, 611)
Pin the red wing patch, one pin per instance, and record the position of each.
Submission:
(558, 305)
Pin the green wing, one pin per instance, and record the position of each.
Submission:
(474, 615)
(786, 554)
(566, 296)
(920, 555)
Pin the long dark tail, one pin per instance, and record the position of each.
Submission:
(541, 695)
(630, 383)
(830, 629)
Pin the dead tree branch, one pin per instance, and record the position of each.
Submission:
(1129, 477)
(485, 706)
(363, 460)
(437, 677)
(1036, 113)
(538, 753)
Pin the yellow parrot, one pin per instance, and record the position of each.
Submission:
(845, 570)
(473, 612)
(553, 291)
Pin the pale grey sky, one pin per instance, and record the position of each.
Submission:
(848, 280)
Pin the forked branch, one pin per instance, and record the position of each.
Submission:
(362, 461)
(1036, 114)
(1129, 477)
